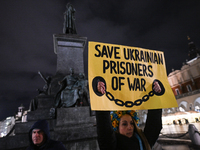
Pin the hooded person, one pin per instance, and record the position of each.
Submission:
(39, 138)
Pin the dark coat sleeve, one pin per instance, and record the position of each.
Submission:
(55, 145)
(50, 145)
(105, 132)
(153, 125)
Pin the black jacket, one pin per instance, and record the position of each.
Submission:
(110, 140)
(49, 144)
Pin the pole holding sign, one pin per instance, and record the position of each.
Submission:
(128, 74)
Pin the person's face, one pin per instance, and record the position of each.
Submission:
(126, 125)
(37, 137)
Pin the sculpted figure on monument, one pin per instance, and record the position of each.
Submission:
(69, 20)
(83, 92)
(68, 94)
(73, 91)
(34, 102)
(47, 81)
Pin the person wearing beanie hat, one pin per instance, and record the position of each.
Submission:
(39, 138)
(118, 130)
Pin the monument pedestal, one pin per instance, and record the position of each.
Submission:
(76, 128)
(69, 49)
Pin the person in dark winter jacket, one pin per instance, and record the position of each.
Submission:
(118, 130)
(39, 138)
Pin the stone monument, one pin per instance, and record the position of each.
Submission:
(69, 20)
(64, 100)
(68, 46)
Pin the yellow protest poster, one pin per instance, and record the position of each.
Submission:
(128, 74)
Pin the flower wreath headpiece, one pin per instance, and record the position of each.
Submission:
(116, 115)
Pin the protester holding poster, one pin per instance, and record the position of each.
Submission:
(127, 78)
(120, 131)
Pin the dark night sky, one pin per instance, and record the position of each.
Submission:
(27, 28)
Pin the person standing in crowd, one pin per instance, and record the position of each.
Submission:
(39, 138)
(118, 130)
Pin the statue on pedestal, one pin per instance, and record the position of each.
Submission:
(47, 81)
(69, 20)
(83, 92)
(67, 95)
(73, 91)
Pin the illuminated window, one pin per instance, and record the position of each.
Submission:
(197, 108)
